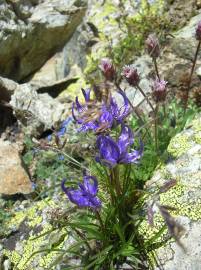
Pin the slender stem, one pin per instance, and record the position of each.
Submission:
(191, 74)
(164, 111)
(83, 237)
(156, 128)
(144, 95)
(115, 180)
(100, 221)
(156, 67)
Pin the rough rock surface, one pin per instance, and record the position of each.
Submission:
(13, 177)
(185, 167)
(32, 31)
(32, 229)
(34, 109)
(36, 112)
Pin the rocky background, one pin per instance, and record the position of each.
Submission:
(49, 49)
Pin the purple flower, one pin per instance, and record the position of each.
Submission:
(112, 153)
(131, 75)
(198, 31)
(152, 45)
(63, 127)
(96, 116)
(107, 68)
(159, 90)
(86, 193)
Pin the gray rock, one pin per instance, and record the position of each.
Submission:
(36, 112)
(32, 31)
(185, 167)
(184, 44)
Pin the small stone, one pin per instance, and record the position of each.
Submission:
(13, 177)
(198, 72)
(7, 265)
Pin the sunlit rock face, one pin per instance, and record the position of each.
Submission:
(184, 166)
(13, 177)
(32, 31)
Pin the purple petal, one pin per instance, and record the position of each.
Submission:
(79, 121)
(86, 94)
(95, 202)
(106, 117)
(126, 138)
(88, 126)
(109, 151)
(134, 156)
(90, 185)
(125, 107)
(79, 107)
(76, 196)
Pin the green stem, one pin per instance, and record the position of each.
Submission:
(115, 180)
(156, 128)
(191, 74)
(100, 221)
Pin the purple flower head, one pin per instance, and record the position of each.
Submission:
(107, 68)
(198, 31)
(112, 153)
(100, 117)
(131, 75)
(159, 90)
(152, 45)
(86, 193)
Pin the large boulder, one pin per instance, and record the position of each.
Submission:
(32, 31)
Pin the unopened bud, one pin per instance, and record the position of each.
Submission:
(107, 68)
(159, 90)
(131, 75)
(152, 45)
(198, 31)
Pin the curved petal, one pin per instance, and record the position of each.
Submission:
(87, 126)
(95, 202)
(109, 151)
(86, 94)
(79, 107)
(79, 121)
(126, 138)
(90, 185)
(76, 196)
(106, 117)
(134, 156)
(125, 107)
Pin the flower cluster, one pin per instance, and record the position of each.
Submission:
(101, 116)
(86, 194)
(131, 75)
(112, 153)
(159, 92)
(93, 116)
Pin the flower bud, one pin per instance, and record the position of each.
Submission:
(152, 45)
(159, 90)
(107, 68)
(198, 31)
(131, 75)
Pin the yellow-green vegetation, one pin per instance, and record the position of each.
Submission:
(43, 240)
(179, 145)
(121, 38)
